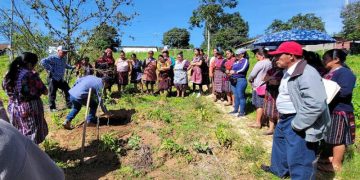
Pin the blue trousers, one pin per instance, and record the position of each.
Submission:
(291, 154)
(239, 95)
(76, 106)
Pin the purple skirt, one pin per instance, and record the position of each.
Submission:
(164, 84)
(218, 81)
(123, 78)
(28, 118)
(196, 76)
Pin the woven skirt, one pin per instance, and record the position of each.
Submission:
(123, 78)
(342, 129)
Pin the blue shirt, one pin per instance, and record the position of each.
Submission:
(55, 66)
(240, 67)
(80, 90)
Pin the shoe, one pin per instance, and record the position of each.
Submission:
(268, 133)
(53, 110)
(233, 113)
(198, 95)
(265, 168)
(254, 126)
(67, 125)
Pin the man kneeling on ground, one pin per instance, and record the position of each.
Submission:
(78, 97)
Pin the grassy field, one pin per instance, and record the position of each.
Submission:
(156, 137)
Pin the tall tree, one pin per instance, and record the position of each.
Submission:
(177, 37)
(351, 20)
(299, 21)
(208, 14)
(233, 31)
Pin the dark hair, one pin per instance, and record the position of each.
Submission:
(166, 51)
(133, 55)
(231, 51)
(122, 52)
(197, 49)
(106, 80)
(19, 62)
(180, 54)
(262, 52)
(312, 58)
(336, 53)
(86, 58)
(161, 56)
(202, 50)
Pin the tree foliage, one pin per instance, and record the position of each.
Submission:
(177, 37)
(351, 20)
(70, 22)
(26, 36)
(299, 21)
(228, 29)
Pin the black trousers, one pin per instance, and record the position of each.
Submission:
(54, 85)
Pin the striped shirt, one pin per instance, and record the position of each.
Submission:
(55, 66)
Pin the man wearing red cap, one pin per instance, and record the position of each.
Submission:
(304, 116)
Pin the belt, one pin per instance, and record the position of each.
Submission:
(284, 116)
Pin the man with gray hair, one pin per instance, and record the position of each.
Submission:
(55, 66)
(304, 116)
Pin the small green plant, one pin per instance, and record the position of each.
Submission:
(160, 114)
(110, 143)
(202, 148)
(204, 114)
(128, 171)
(223, 135)
(251, 152)
(134, 142)
(172, 147)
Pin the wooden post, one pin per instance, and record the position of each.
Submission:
(85, 122)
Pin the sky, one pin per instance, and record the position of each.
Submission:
(158, 16)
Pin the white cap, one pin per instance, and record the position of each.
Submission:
(240, 51)
(62, 48)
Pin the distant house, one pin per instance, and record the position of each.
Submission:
(4, 46)
(138, 48)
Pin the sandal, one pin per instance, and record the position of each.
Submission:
(254, 126)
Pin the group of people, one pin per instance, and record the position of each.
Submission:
(287, 92)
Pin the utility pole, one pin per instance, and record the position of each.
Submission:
(11, 31)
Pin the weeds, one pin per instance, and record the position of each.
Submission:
(202, 148)
(128, 171)
(52, 148)
(170, 146)
(134, 142)
(224, 135)
(251, 152)
(109, 143)
(204, 114)
(160, 114)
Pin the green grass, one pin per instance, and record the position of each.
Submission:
(187, 125)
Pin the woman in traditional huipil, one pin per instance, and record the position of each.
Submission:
(163, 67)
(136, 71)
(196, 76)
(342, 130)
(122, 68)
(218, 75)
(226, 68)
(149, 75)
(24, 88)
(180, 75)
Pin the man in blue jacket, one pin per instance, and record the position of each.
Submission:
(304, 116)
(79, 94)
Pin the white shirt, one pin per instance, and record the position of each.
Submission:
(283, 102)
